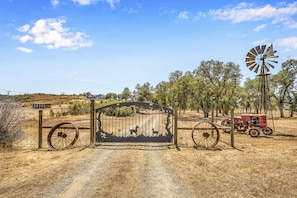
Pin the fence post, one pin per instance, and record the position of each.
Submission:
(175, 124)
(92, 122)
(212, 115)
(40, 129)
(232, 127)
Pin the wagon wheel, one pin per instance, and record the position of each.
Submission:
(254, 132)
(267, 131)
(205, 134)
(226, 122)
(62, 135)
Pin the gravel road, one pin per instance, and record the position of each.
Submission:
(121, 171)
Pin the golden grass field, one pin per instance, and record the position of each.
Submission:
(256, 167)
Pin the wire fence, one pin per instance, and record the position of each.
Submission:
(284, 129)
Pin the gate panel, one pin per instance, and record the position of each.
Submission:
(149, 123)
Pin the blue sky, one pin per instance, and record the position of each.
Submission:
(102, 46)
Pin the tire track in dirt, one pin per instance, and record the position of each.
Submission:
(73, 184)
(159, 180)
(119, 171)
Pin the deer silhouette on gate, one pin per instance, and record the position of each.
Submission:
(134, 130)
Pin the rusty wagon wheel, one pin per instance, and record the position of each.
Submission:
(63, 135)
(205, 134)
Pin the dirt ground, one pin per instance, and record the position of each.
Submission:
(257, 167)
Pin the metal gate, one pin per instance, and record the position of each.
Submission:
(134, 122)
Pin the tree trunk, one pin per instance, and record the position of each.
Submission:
(281, 109)
(291, 113)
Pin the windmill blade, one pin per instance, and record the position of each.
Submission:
(268, 51)
(258, 49)
(249, 64)
(274, 61)
(257, 68)
(248, 59)
(254, 51)
(249, 54)
(263, 49)
(272, 66)
(266, 67)
(255, 65)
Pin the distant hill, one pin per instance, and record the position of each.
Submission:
(29, 99)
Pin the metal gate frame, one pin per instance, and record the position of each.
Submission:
(105, 136)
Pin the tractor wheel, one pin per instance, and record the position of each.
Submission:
(267, 131)
(241, 127)
(254, 132)
(62, 135)
(205, 134)
(226, 122)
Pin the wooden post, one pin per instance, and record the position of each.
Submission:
(232, 127)
(175, 124)
(212, 114)
(40, 129)
(92, 121)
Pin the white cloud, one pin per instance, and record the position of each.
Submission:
(129, 10)
(199, 16)
(88, 2)
(289, 42)
(24, 39)
(183, 15)
(24, 28)
(260, 42)
(51, 33)
(246, 12)
(23, 49)
(291, 24)
(82, 2)
(112, 2)
(54, 2)
(260, 27)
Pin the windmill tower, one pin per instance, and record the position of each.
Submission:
(260, 60)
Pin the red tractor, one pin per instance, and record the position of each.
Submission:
(254, 122)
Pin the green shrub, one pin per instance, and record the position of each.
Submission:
(120, 112)
(79, 108)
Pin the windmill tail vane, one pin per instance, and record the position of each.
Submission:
(270, 52)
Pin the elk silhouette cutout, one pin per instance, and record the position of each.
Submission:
(134, 130)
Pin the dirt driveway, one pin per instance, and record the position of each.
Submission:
(120, 171)
(149, 170)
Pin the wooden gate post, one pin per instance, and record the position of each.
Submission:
(92, 121)
(40, 129)
(232, 127)
(175, 123)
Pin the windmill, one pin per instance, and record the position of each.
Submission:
(261, 60)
